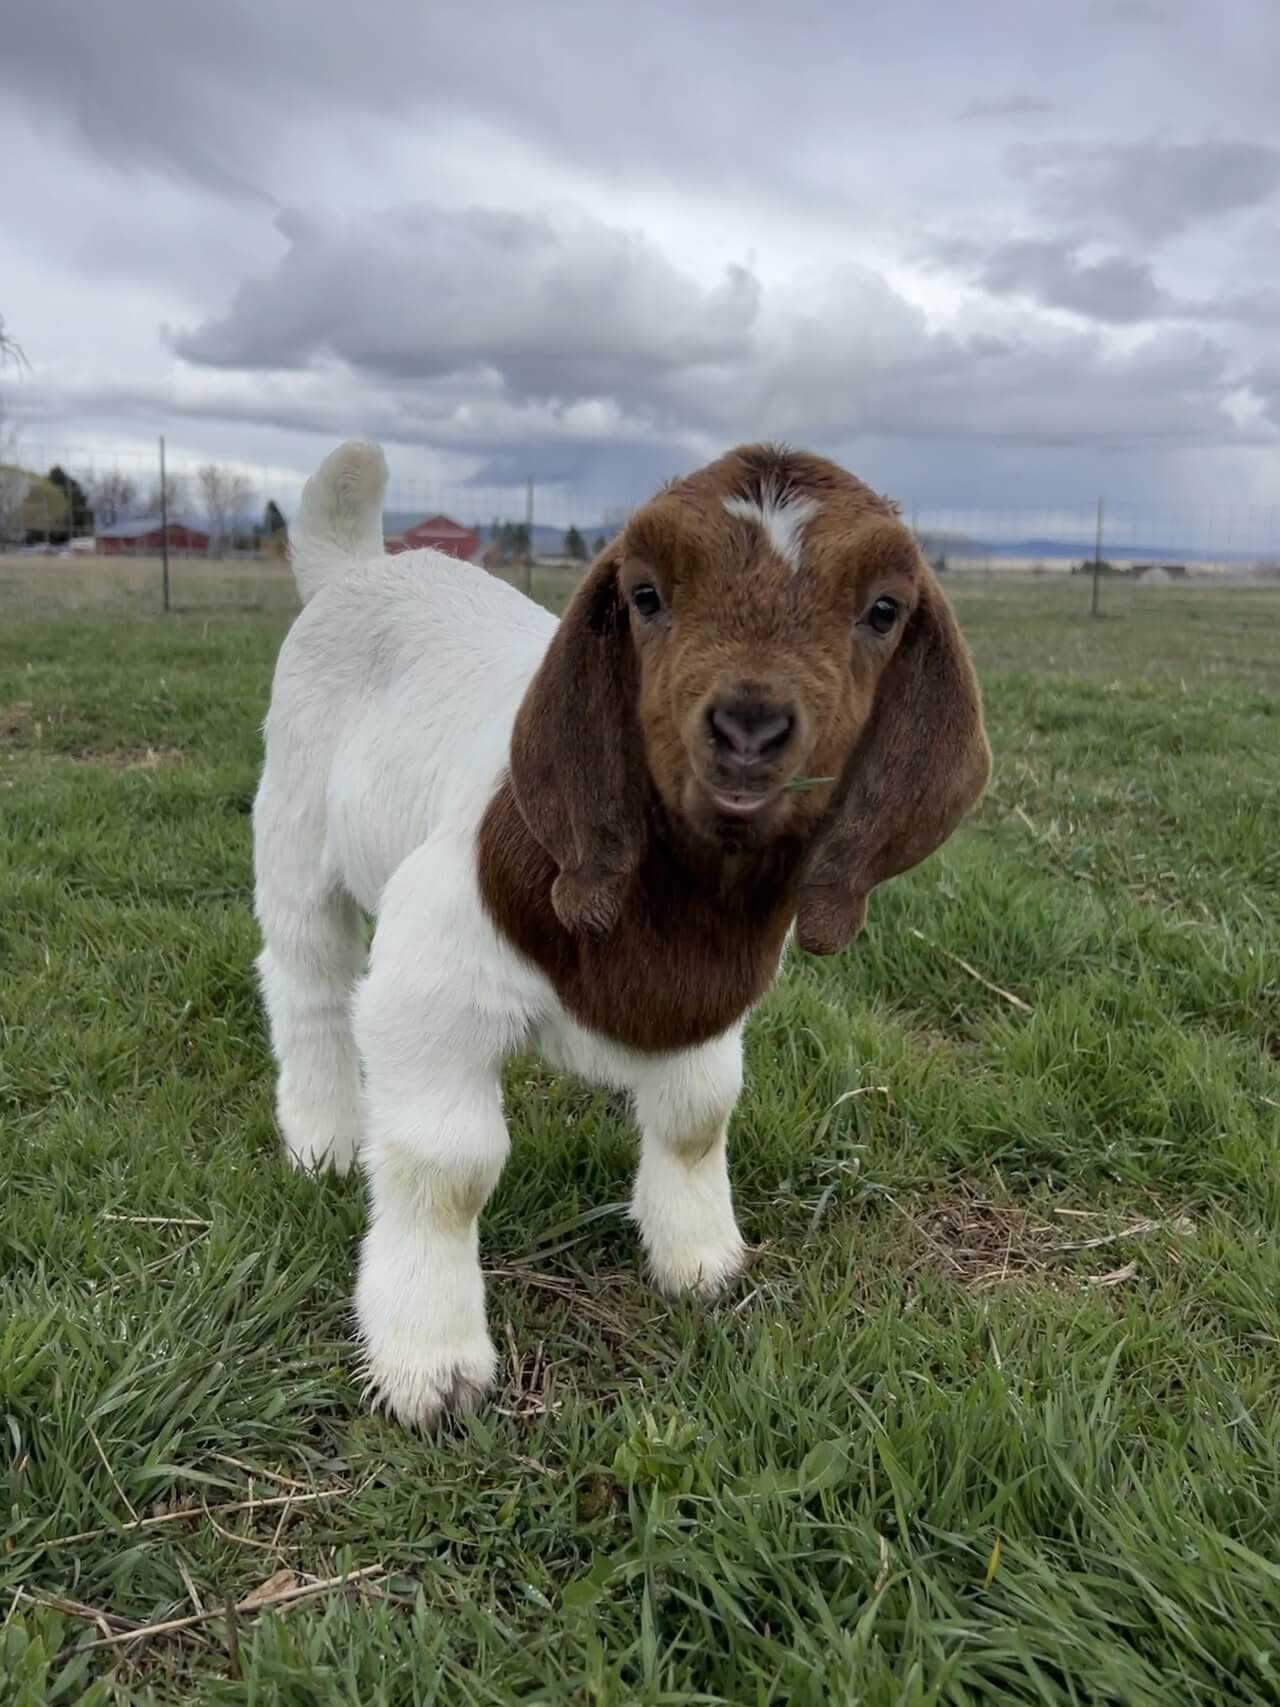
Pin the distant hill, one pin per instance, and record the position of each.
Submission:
(1043, 549)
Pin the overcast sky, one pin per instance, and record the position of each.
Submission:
(987, 254)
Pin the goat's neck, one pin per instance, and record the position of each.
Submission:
(682, 861)
(697, 941)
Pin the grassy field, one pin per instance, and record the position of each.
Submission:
(134, 586)
(995, 1415)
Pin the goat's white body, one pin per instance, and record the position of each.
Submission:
(389, 728)
(402, 679)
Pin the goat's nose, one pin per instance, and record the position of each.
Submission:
(749, 730)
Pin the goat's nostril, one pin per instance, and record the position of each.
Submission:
(774, 733)
(750, 729)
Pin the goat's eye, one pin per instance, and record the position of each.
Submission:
(647, 600)
(882, 615)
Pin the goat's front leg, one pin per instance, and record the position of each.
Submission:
(434, 1145)
(682, 1201)
(420, 1292)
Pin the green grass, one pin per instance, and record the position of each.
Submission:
(995, 1416)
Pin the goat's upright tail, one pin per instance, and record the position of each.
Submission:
(340, 518)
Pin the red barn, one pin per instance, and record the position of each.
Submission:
(437, 533)
(130, 539)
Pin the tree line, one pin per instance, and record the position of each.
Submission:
(509, 543)
(56, 507)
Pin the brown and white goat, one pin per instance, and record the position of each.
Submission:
(591, 838)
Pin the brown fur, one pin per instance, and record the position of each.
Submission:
(604, 857)
(691, 951)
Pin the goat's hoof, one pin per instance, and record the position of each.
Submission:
(420, 1390)
(698, 1271)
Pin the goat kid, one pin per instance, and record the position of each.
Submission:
(592, 838)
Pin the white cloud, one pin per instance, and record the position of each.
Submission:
(554, 306)
(449, 356)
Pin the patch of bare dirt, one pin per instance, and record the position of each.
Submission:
(21, 731)
(563, 1318)
(15, 722)
(979, 1242)
(129, 758)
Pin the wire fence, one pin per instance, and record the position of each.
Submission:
(83, 526)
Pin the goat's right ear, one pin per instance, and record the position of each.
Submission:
(577, 764)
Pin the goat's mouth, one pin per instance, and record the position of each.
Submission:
(738, 807)
(738, 811)
(739, 804)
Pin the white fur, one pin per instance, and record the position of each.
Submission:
(388, 731)
(782, 515)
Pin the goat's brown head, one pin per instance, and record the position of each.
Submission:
(764, 651)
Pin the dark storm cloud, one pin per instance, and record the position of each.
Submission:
(1147, 190)
(225, 94)
(154, 87)
(1051, 272)
(1111, 289)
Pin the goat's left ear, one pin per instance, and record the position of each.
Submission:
(577, 765)
(922, 763)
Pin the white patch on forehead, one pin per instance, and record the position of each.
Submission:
(781, 514)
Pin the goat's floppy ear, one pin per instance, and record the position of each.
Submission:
(920, 765)
(577, 757)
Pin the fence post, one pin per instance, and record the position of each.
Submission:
(164, 525)
(1097, 563)
(528, 547)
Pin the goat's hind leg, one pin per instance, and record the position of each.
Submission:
(313, 952)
